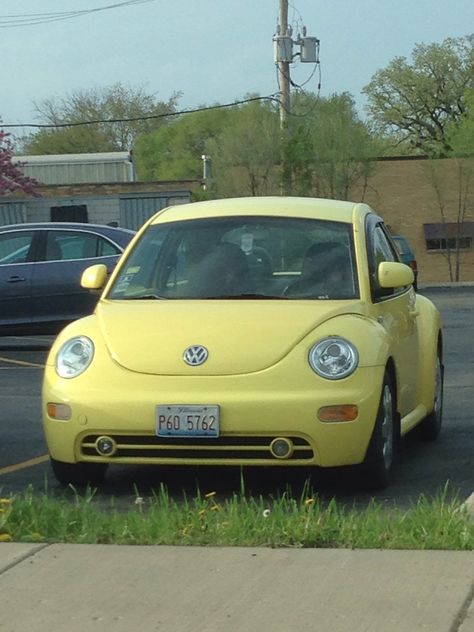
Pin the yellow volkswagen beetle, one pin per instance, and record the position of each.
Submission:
(264, 331)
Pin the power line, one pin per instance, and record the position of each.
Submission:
(31, 19)
(271, 97)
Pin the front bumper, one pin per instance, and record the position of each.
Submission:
(254, 409)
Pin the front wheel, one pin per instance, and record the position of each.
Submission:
(380, 455)
(78, 474)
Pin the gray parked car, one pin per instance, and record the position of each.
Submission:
(40, 271)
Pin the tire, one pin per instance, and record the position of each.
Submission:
(430, 427)
(381, 452)
(78, 474)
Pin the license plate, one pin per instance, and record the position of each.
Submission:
(187, 421)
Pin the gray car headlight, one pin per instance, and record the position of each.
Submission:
(333, 358)
(74, 357)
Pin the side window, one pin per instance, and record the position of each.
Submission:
(380, 250)
(70, 245)
(106, 249)
(15, 247)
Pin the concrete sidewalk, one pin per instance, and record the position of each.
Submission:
(72, 588)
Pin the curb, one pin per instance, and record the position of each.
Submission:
(447, 285)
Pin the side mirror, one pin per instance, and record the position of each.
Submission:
(392, 274)
(94, 277)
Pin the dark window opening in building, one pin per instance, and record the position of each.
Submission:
(444, 244)
(449, 236)
(69, 213)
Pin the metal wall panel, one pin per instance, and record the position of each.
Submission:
(12, 213)
(135, 211)
(78, 173)
(116, 166)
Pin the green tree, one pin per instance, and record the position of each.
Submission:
(457, 177)
(415, 102)
(242, 142)
(460, 135)
(113, 104)
(175, 150)
(246, 150)
(328, 154)
(330, 149)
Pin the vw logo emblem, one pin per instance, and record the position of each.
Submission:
(195, 355)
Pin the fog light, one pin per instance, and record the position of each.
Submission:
(62, 412)
(105, 446)
(281, 448)
(345, 412)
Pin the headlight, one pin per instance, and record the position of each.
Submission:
(74, 357)
(333, 358)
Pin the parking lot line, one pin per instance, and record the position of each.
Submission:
(21, 466)
(22, 363)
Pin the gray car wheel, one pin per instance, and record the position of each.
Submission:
(380, 455)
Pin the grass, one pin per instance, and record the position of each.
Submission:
(438, 523)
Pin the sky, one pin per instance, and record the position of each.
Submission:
(210, 51)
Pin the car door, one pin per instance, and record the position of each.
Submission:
(57, 295)
(16, 269)
(395, 309)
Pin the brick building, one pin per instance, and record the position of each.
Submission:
(409, 194)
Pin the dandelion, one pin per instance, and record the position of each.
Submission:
(210, 495)
(215, 507)
(308, 502)
(266, 513)
(5, 501)
(201, 513)
(5, 537)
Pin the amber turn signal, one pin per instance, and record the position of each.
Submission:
(343, 412)
(59, 411)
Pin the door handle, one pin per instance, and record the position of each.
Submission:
(16, 279)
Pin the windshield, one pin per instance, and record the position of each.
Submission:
(241, 257)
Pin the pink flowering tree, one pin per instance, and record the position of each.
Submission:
(11, 176)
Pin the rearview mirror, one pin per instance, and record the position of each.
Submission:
(392, 274)
(94, 277)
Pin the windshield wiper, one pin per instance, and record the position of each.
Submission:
(144, 297)
(257, 297)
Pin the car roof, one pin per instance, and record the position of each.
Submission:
(303, 207)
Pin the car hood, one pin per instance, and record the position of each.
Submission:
(240, 336)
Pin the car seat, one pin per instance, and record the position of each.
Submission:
(53, 249)
(223, 271)
(319, 261)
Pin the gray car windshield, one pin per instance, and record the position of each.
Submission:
(241, 258)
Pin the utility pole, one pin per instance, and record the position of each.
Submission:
(283, 47)
(283, 56)
(284, 65)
